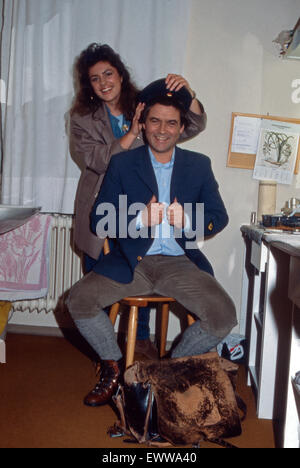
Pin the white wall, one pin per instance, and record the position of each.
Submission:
(233, 66)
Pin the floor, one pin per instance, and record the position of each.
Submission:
(41, 391)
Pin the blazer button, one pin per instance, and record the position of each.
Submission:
(139, 258)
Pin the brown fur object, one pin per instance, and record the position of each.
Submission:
(195, 397)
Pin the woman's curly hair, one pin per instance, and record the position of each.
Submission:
(86, 101)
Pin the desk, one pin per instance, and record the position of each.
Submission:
(4, 314)
(270, 319)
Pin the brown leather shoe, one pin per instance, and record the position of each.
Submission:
(108, 382)
(146, 348)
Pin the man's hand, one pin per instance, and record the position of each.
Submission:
(152, 215)
(175, 215)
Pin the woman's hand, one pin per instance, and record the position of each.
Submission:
(136, 126)
(176, 82)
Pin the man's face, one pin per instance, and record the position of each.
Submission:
(163, 129)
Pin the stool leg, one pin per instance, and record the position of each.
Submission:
(131, 335)
(114, 310)
(190, 319)
(164, 329)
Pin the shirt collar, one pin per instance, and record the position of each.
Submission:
(158, 165)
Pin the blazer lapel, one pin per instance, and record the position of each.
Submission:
(102, 116)
(145, 170)
(146, 173)
(178, 175)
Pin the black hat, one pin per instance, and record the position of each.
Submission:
(157, 89)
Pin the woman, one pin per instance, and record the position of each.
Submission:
(105, 121)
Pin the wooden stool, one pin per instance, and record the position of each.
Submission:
(134, 302)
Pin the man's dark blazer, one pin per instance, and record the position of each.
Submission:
(131, 173)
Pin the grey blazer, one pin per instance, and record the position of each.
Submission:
(92, 144)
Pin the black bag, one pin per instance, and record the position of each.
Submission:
(179, 401)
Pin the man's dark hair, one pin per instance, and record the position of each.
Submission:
(165, 101)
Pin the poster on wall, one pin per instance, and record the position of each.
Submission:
(277, 151)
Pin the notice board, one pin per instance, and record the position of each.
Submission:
(244, 134)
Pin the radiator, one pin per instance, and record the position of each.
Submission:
(64, 267)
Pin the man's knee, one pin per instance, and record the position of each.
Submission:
(224, 317)
(81, 301)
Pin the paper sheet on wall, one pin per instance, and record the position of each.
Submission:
(245, 134)
(277, 151)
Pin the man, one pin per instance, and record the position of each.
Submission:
(154, 256)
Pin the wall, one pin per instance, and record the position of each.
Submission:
(233, 66)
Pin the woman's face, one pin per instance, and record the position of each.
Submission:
(106, 82)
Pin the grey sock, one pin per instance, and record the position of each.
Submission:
(195, 341)
(99, 333)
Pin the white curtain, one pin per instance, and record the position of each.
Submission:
(39, 42)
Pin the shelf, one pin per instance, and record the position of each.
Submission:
(258, 321)
(253, 375)
(272, 295)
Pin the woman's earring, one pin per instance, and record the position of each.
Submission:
(92, 98)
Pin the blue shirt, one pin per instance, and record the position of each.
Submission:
(164, 242)
(119, 124)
